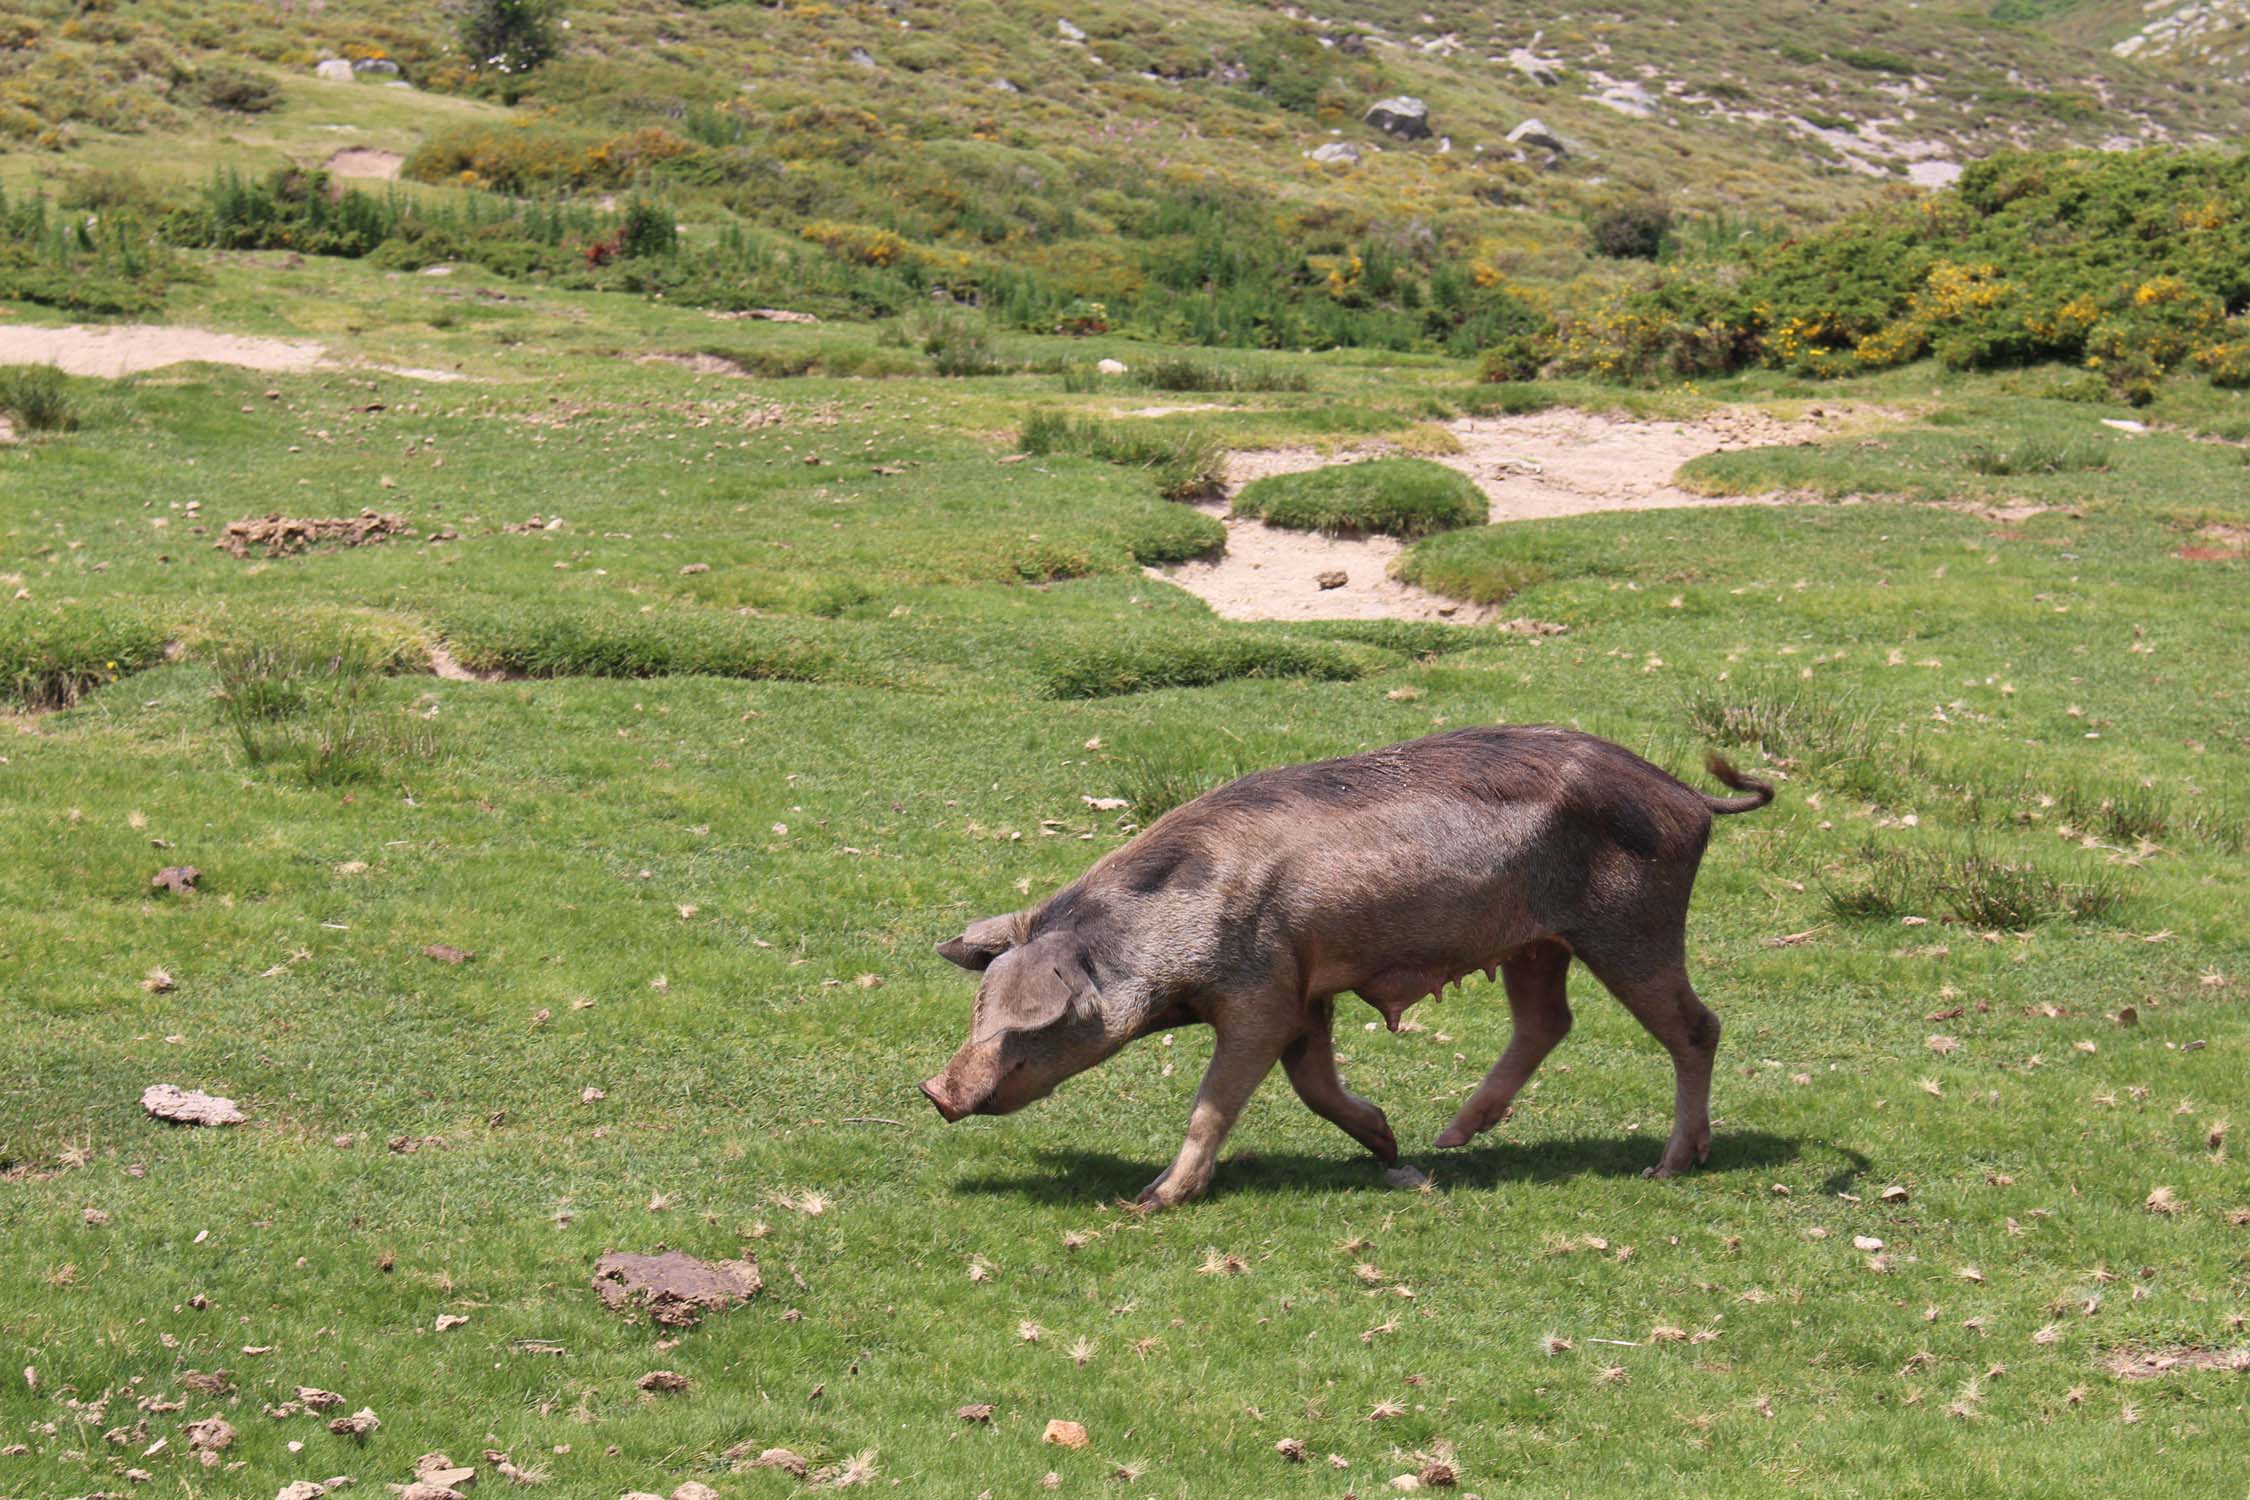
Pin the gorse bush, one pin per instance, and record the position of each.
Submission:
(1632, 229)
(1404, 497)
(2130, 264)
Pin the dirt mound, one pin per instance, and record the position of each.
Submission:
(1543, 464)
(280, 536)
(675, 1287)
(365, 161)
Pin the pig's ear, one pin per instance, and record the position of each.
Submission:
(982, 942)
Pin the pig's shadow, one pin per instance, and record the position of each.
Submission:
(1070, 1176)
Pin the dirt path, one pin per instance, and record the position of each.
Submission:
(365, 161)
(1550, 463)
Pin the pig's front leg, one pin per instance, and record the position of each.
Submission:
(1311, 1064)
(1244, 1056)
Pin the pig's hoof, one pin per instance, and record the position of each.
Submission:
(1405, 1175)
(1453, 1135)
(1658, 1171)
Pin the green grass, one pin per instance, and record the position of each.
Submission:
(1404, 497)
(772, 726)
(1184, 461)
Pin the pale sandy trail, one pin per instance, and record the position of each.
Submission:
(1540, 465)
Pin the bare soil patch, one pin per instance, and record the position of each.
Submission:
(697, 364)
(2149, 1364)
(675, 1287)
(1531, 467)
(280, 536)
(365, 161)
(131, 348)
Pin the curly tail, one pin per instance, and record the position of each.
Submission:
(1756, 793)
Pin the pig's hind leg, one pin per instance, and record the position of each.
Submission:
(1539, 1007)
(1661, 998)
(1310, 1061)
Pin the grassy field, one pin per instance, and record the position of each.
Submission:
(809, 672)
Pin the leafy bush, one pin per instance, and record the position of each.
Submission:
(1185, 462)
(1404, 497)
(1515, 358)
(1631, 229)
(50, 657)
(36, 398)
(224, 86)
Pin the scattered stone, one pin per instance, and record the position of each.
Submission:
(446, 953)
(277, 535)
(334, 70)
(1540, 70)
(663, 1381)
(358, 1425)
(1401, 115)
(1068, 32)
(1439, 1475)
(1894, 1194)
(695, 1489)
(1110, 366)
(189, 1106)
(316, 1399)
(689, 570)
(1534, 132)
(978, 1412)
(1334, 578)
(782, 1459)
(178, 879)
(422, 1489)
(862, 57)
(675, 1287)
(301, 1489)
(382, 66)
(211, 1435)
(1627, 98)
(1335, 151)
(446, 1321)
(1292, 1449)
(1405, 1175)
(1065, 1434)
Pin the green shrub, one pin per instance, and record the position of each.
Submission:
(37, 398)
(226, 87)
(1631, 229)
(508, 37)
(49, 658)
(1185, 462)
(1111, 665)
(1404, 497)
(1515, 358)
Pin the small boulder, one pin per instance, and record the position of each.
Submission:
(1110, 366)
(189, 1106)
(302, 1489)
(334, 70)
(1336, 151)
(1627, 98)
(1065, 1434)
(1542, 71)
(1401, 115)
(381, 67)
(1534, 132)
(1068, 32)
(1334, 578)
(861, 57)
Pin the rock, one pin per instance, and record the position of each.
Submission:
(1110, 366)
(1401, 115)
(862, 57)
(358, 1425)
(695, 1489)
(1542, 71)
(334, 70)
(1334, 578)
(457, 1478)
(2122, 424)
(782, 1459)
(663, 1381)
(422, 1489)
(189, 1106)
(1335, 151)
(1068, 32)
(1627, 99)
(1292, 1449)
(302, 1489)
(212, 1434)
(1534, 132)
(674, 1286)
(1894, 1194)
(178, 879)
(1065, 1434)
(978, 1412)
(381, 66)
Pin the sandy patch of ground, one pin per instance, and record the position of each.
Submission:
(695, 364)
(365, 161)
(1168, 411)
(130, 348)
(115, 350)
(1544, 464)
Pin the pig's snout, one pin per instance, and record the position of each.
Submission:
(935, 1090)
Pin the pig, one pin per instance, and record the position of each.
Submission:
(1390, 875)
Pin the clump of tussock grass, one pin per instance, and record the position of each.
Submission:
(311, 709)
(1185, 462)
(1155, 783)
(1789, 725)
(568, 642)
(1108, 666)
(1181, 373)
(50, 658)
(2028, 455)
(1403, 497)
(37, 398)
(1967, 886)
